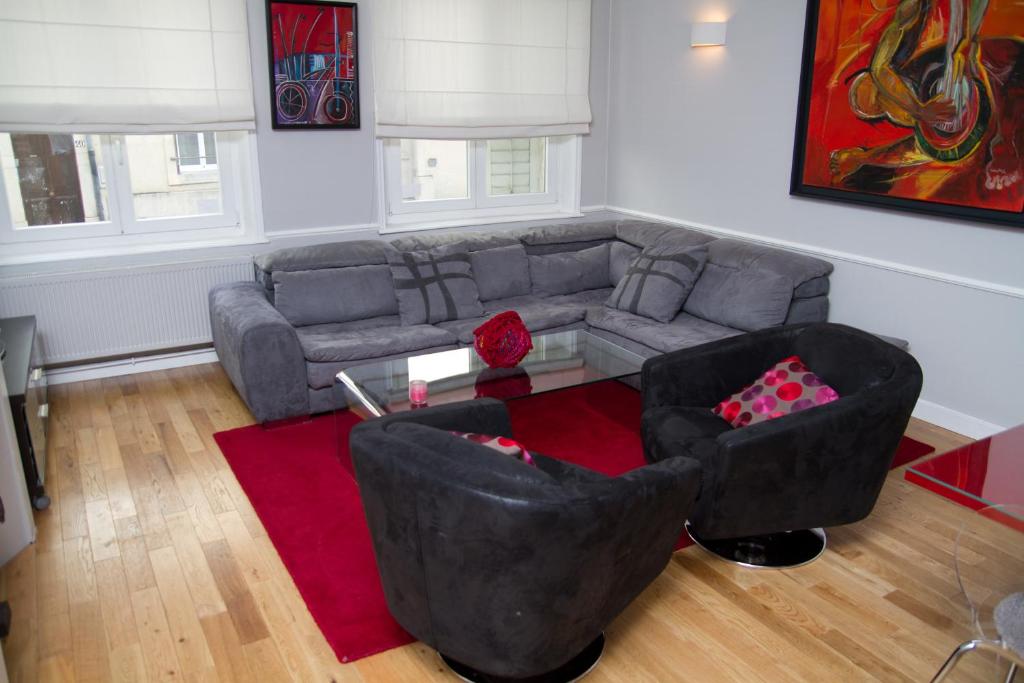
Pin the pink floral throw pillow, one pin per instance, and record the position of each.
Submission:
(500, 444)
(787, 387)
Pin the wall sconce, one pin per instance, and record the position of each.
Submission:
(707, 33)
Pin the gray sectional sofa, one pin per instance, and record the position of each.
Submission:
(313, 311)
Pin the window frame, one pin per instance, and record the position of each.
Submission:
(561, 199)
(123, 232)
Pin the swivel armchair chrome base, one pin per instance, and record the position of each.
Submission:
(784, 550)
(573, 670)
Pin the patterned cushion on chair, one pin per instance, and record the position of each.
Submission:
(432, 288)
(786, 387)
(658, 281)
(501, 444)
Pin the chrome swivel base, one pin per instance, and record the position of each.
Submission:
(784, 550)
(573, 670)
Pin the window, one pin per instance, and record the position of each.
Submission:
(440, 183)
(196, 152)
(87, 190)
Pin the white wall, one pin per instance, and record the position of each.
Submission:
(705, 136)
(326, 178)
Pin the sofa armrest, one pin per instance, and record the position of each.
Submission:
(259, 350)
(701, 376)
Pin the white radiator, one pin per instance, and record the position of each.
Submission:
(95, 314)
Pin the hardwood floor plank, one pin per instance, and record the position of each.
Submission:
(207, 597)
(118, 617)
(245, 615)
(127, 664)
(91, 654)
(158, 650)
(80, 570)
(57, 668)
(182, 616)
(226, 648)
(102, 534)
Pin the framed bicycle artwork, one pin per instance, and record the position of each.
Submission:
(915, 105)
(314, 69)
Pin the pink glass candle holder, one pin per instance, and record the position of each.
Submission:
(418, 392)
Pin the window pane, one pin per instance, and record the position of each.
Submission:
(188, 149)
(53, 179)
(517, 166)
(435, 169)
(210, 149)
(169, 178)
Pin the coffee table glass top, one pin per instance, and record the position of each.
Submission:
(557, 361)
(986, 474)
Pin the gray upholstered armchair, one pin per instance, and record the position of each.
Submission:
(509, 571)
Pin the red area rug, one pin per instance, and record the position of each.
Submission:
(310, 504)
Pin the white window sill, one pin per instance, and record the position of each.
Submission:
(29, 257)
(413, 223)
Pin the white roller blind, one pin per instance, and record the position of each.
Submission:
(121, 66)
(481, 68)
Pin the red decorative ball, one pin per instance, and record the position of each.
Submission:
(503, 340)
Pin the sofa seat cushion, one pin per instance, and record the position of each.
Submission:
(538, 314)
(340, 342)
(684, 331)
(590, 298)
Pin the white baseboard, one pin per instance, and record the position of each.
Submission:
(595, 208)
(129, 366)
(955, 421)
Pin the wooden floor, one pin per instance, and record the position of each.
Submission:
(152, 565)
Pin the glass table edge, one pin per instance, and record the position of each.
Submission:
(1002, 507)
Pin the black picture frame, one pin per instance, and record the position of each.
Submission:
(799, 188)
(316, 101)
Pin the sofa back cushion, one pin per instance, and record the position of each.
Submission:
(744, 298)
(750, 286)
(563, 237)
(620, 256)
(569, 272)
(334, 295)
(642, 233)
(658, 281)
(502, 272)
(433, 288)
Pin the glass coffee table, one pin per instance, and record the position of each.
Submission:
(557, 361)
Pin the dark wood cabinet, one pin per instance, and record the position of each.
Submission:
(26, 386)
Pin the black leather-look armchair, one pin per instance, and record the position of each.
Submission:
(821, 467)
(507, 570)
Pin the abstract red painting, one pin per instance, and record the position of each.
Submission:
(314, 77)
(914, 104)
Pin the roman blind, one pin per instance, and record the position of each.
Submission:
(117, 66)
(464, 69)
